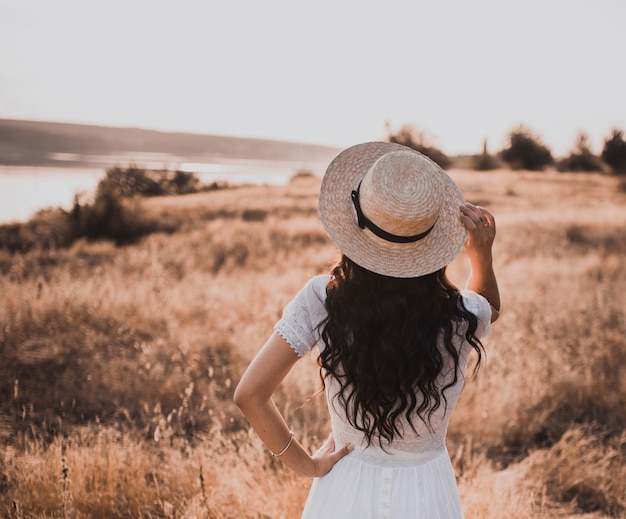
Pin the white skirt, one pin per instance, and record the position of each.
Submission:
(365, 487)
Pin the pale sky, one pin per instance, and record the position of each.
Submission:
(325, 71)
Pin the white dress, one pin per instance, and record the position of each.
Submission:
(412, 477)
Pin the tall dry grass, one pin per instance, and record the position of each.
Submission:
(118, 364)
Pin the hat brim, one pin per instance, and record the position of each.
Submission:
(401, 260)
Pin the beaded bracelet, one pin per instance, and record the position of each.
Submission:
(291, 435)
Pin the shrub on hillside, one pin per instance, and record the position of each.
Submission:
(581, 158)
(183, 183)
(110, 217)
(48, 229)
(526, 151)
(132, 181)
(614, 151)
(113, 214)
(409, 136)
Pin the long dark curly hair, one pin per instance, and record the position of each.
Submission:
(383, 340)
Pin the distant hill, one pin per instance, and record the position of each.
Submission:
(52, 144)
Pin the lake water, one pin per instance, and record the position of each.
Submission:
(24, 190)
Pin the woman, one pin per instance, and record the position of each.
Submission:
(394, 337)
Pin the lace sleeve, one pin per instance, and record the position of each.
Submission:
(302, 316)
(481, 308)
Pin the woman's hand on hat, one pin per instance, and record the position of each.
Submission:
(481, 228)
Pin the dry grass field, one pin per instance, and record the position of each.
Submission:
(117, 364)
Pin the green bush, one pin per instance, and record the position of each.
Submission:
(409, 136)
(526, 151)
(614, 151)
(581, 158)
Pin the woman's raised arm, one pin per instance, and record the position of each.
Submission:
(481, 228)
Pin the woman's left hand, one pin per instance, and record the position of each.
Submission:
(326, 456)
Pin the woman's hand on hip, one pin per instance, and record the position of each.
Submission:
(326, 456)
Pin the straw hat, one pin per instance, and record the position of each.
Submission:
(392, 210)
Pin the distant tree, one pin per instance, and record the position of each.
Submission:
(484, 161)
(614, 151)
(407, 135)
(581, 158)
(526, 151)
